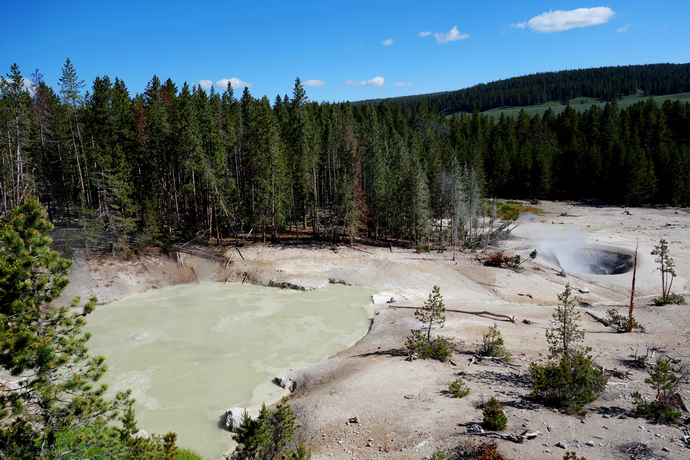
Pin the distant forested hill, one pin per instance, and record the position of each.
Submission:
(604, 83)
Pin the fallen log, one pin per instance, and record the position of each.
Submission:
(501, 360)
(526, 435)
(360, 250)
(601, 320)
(512, 319)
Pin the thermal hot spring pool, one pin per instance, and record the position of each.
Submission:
(190, 352)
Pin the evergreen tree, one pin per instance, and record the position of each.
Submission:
(73, 99)
(55, 410)
(562, 338)
(17, 118)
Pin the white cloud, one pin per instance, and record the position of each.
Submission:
(388, 42)
(403, 83)
(624, 28)
(559, 21)
(376, 81)
(27, 85)
(346, 82)
(314, 83)
(235, 82)
(450, 36)
(423, 34)
(205, 84)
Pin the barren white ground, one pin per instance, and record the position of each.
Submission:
(402, 408)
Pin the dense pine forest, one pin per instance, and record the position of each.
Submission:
(604, 83)
(177, 161)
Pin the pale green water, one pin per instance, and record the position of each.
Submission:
(190, 352)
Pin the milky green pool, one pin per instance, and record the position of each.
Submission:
(190, 352)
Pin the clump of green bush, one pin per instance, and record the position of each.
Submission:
(458, 388)
(494, 417)
(438, 348)
(620, 322)
(493, 345)
(483, 450)
(665, 407)
(187, 454)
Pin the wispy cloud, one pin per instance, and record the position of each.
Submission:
(314, 83)
(205, 84)
(423, 34)
(559, 21)
(27, 85)
(388, 42)
(624, 28)
(235, 82)
(403, 83)
(450, 36)
(376, 81)
(346, 82)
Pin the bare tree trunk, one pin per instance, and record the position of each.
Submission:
(632, 294)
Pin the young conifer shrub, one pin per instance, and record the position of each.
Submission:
(569, 380)
(430, 315)
(458, 388)
(668, 273)
(269, 436)
(493, 345)
(665, 407)
(494, 417)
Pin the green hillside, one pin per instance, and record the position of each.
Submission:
(581, 104)
(579, 87)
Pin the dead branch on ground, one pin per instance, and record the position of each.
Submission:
(512, 319)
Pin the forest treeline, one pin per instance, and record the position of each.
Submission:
(178, 161)
(603, 83)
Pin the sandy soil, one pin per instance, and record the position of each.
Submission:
(369, 402)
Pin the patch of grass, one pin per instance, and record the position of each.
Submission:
(187, 454)
(511, 210)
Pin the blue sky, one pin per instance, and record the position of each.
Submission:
(340, 50)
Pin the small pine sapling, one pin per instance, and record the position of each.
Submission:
(564, 335)
(430, 315)
(494, 417)
(493, 345)
(668, 273)
(458, 388)
(569, 380)
(665, 407)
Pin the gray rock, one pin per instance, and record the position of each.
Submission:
(590, 443)
(140, 434)
(234, 416)
(475, 429)
(562, 444)
(287, 381)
